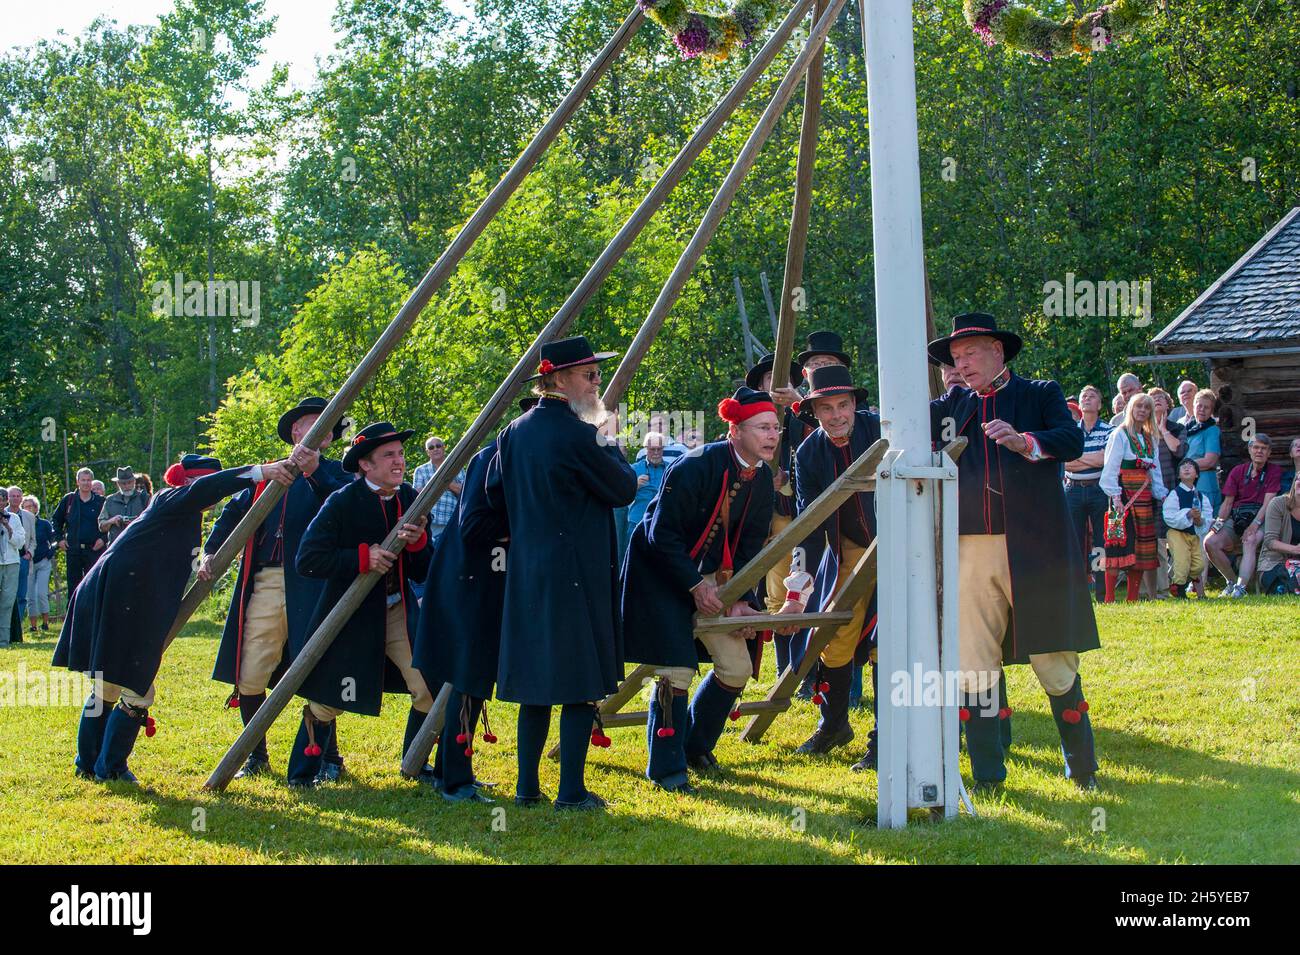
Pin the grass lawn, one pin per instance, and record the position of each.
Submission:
(1195, 708)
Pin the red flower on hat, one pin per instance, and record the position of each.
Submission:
(796, 406)
(546, 367)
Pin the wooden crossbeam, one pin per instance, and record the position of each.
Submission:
(769, 621)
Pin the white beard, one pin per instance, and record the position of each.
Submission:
(589, 410)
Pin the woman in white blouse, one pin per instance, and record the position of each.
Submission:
(1130, 477)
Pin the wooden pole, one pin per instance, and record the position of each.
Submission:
(67, 468)
(422, 744)
(767, 300)
(410, 310)
(496, 408)
(708, 226)
(744, 325)
(799, 216)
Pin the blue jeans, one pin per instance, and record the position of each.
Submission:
(1087, 504)
(22, 586)
(8, 595)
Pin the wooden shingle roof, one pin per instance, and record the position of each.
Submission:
(1257, 301)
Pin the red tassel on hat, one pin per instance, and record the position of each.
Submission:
(728, 409)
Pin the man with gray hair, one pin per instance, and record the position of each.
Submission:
(13, 540)
(1186, 401)
(76, 527)
(122, 506)
(1127, 386)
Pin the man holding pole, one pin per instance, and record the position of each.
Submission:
(843, 434)
(271, 602)
(372, 654)
(117, 623)
(556, 481)
(1023, 591)
(711, 517)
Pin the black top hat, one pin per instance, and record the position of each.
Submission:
(974, 325)
(568, 353)
(754, 377)
(368, 439)
(125, 474)
(305, 407)
(823, 383)
(826, 343)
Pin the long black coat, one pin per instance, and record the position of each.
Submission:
(557, 487)
(458, 639)
(1052, 608)
(354, 674)
(300, 504)
(818, 463)
(120, 615)
(686, 516)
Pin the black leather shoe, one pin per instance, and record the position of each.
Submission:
(867, 762)
(84, 774)
(823, 742)
(466, 794)
(1086, 783)
(677, 783)
(125, 776)
(254, 766)
(589, 802)
(528, 802)
(705, 764)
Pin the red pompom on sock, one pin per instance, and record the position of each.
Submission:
(734, 714)
(1004, 713)
(1071, 716)
(489, 737)
(149, 726)
(1083, 706)
(663, 732)
(312, 750)
(469, 750)
(824, 687)
(818, 699)
(233, 702)
(963, 714)
(462, 738)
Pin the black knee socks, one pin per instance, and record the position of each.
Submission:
(534, 723)
(248, 707)
(576, 722)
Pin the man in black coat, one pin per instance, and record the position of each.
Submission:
(117, 624)
(271, 602)
(710, 517)
(1022, 577)
(844, 434)
(76, 528)
(557, 482)
(372, 653)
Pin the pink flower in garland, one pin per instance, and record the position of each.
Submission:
(694, 40)
(985, 18)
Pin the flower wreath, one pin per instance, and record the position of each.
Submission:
(1023, 30)
(705, 34)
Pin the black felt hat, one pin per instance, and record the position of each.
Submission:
(754, 377)
(568, 353)
(827, 382)
(305, 407)
(368, 439)
(974, 325)
(826, 343)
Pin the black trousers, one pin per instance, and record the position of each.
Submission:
(1087, 504)
(80, 560)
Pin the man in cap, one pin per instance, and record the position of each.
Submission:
(1024, 596)
(271, 603)
(556, 482)
(711, 516)
(843, 434)
(372, 653)
(117, 623)
(122, 506)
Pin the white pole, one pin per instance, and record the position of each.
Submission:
(912, 752)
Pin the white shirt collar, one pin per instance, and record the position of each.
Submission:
(377, 489)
